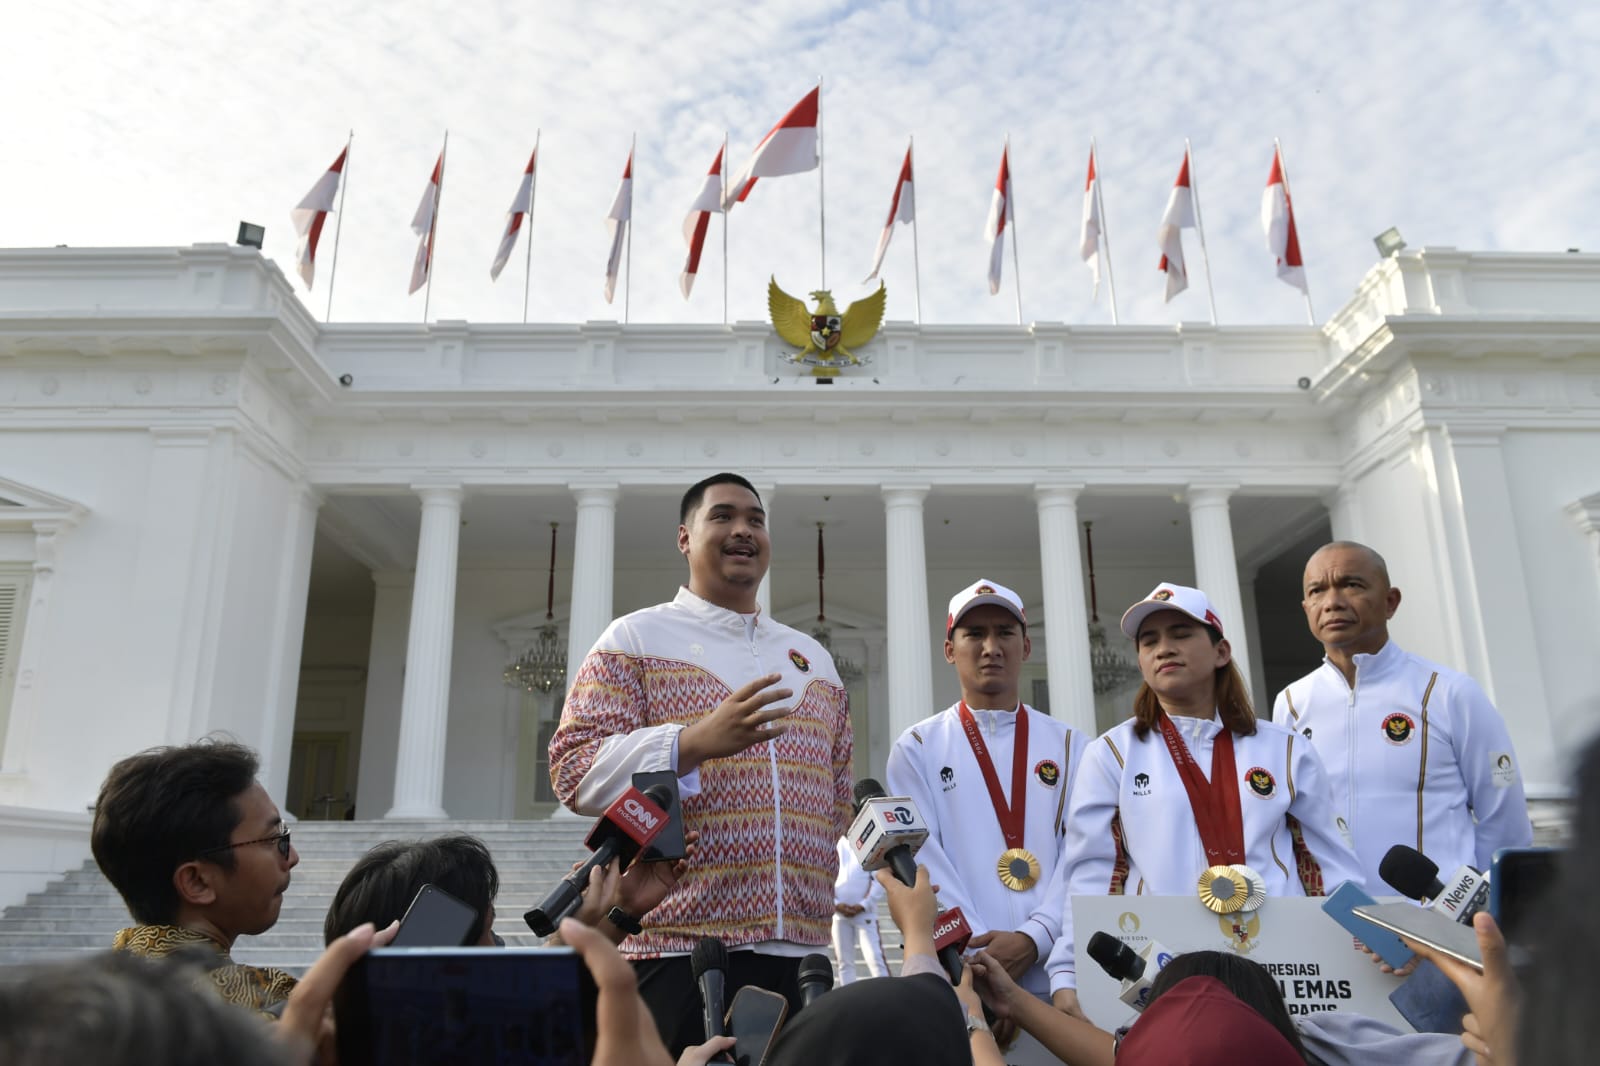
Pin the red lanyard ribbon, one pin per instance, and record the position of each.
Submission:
(1216, 802)
(1013, 817)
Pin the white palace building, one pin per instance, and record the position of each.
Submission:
(331, 540)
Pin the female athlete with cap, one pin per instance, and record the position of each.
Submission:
(1193, 795)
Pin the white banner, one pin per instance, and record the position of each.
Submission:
(1314, 961)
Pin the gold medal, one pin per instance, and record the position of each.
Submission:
(1224, 889)
(1018, 869)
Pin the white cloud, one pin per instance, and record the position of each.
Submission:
(165, 123)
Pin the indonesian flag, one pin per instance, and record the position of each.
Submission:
(1000, 216)
(1178, 216)
(617, 222)
(1089, 234)
(310, 214)
(790, 147)
(903, 208)
(422, 224)
(521, 206)
(698, 220)
(1277, 218)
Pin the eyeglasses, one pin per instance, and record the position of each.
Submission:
(280, 839)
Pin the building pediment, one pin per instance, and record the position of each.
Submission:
(23, 507)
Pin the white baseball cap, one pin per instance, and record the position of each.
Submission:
(1169, 597)
(977, 594)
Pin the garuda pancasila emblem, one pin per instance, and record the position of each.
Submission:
(826, 338)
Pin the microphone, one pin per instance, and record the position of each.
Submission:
(631, 822)
(709, 961)
(1136, 970)
(1413, 874)
(887, 832)
(816, 977)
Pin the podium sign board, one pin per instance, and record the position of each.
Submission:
(1314, 961)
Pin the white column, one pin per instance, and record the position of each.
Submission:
(1343, 513)
(289, 630)
(764, 591)
(910, 669)
(1066, 620)
(425, 700)
(1586, 512)
(1216, 568)
(593, 559)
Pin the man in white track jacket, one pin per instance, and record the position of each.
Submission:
(1415, 751)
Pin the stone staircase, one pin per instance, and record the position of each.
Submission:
(81, 912)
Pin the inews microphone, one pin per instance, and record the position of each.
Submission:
(628, 825)
(1411, 873)
(816, 977)
(709, 961)
(1136, 970)
(887, 832)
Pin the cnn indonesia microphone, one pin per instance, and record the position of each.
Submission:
(1135, 969)
(887, 832)
(1413, 874)
(631, 822)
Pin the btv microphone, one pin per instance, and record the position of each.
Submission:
(1413, 874)
(635, 819)
(887, 832)
(1136, 970)
(816, 977)
(709, 961)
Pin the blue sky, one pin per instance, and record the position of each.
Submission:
(164, 123)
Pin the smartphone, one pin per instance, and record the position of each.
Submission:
(1426, 927)
(754, 1018)
(668, 846)
(1339, 906)
(511, 1006)
(435, 919)
(1519, 879)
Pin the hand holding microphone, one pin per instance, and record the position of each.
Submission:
(635, 819)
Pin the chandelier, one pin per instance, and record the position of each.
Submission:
(849, 672)
(543, 665)
(1109, 670)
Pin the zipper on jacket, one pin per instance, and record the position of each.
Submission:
(777, 795)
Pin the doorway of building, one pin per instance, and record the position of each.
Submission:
(319, 786)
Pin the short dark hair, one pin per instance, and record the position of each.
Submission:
(697, 492)
(383, 882)
(1248, 980)
(121, 1009)
(163, 807)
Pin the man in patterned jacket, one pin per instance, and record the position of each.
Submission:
(753, 718)
(201, 856)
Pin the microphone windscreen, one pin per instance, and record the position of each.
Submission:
(1115, 957)
(868, 789)
(709, 954)
(660, 795)
(816, 967)
(1409, 872)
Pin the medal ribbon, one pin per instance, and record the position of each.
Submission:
(1216, 802)
(1012, 818)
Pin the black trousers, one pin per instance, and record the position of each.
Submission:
(669, 989)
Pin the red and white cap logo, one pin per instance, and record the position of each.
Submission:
(977, 594)
(1169, 597)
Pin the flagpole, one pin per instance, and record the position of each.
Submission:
(1288, 202)
(822, 198)
(1105, 230)
(1194, 191)
(916, 268)
(627, 286)
(533, 188)
(724, 177)
(433, 226)
(338, 224)
(1011, 212)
